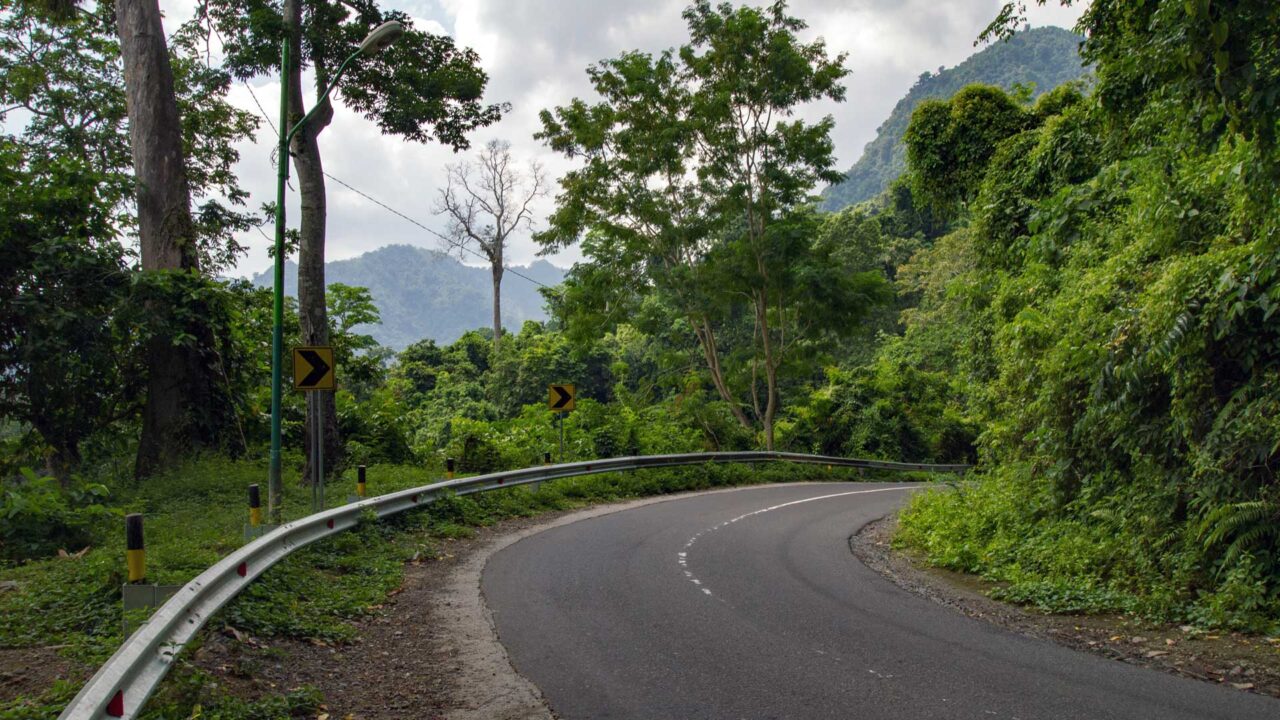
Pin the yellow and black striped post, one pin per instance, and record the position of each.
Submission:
(134, 554)
(448, 468)
(360, 486)
(546, 458)
(255, 506)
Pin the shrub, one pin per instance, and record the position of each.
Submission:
(38, 516)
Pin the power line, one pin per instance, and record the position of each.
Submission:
(387, 207)
(461, 247)
(265, 116)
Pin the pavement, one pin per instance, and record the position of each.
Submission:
(749, 604)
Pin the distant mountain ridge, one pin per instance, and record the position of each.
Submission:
(425, 293)
(1046, 56)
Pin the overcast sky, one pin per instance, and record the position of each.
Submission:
(536, 51)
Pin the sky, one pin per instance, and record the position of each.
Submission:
(536, 53)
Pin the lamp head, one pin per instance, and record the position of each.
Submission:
(382, 36)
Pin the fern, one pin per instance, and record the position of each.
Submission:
(1241, 526)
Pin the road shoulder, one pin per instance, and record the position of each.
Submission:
(431, 651)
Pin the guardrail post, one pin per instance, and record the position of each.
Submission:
(135, 553)
(537, 485)
(361, 488)
(255, 506)
(255, 528)
(136, 594)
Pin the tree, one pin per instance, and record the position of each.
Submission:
(181, 390)
(421, 87)
(62, 275)
(693, 165)
(485, 202)
(80, 83)
(950, 141)
(360, 359)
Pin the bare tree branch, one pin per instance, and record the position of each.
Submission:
(485, 201)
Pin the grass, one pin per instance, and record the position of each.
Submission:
(1001, 527)
(195, 515)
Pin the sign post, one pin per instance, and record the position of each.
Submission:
(313, 374)
(561, 401)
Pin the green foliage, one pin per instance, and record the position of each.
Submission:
(1118, 276)
(62, 276)
(190, 696)
(420, 88)
(949, 143)
(1041, 58)
(38, 517)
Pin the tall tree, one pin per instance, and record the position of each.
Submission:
(485, 201)
(79, 82)
(180, 384)
(422, 87)
(752, 72)
(694, 164)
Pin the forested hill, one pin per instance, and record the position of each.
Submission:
(425, 293)
(1046, 56)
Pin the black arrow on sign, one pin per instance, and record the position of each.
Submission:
(319, 368)
(563, 399)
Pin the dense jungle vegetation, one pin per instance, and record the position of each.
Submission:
(1078, 292)
(1039, 58)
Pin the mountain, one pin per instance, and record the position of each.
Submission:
(1046, 56)
(425, 293)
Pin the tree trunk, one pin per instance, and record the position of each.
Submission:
(770, 369)
(711, 353)
(497, 306)
(311, 285)
(183, 401)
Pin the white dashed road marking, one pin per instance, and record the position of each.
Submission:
(682, 557)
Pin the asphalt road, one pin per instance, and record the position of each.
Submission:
(749, 604)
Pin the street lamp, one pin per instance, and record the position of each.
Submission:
(376, 41)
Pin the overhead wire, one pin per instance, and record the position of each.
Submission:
(461, 247)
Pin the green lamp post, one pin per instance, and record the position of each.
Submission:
(377, 40)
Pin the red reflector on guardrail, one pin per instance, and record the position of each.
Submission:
(115, 708)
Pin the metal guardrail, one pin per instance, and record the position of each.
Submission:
(123, 684)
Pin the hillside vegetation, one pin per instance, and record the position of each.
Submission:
(1040, 59)
(1107, 302)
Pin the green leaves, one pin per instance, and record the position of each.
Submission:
(693, 188)
(422, 88)
(949, 144)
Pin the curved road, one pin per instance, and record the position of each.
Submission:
(749, 604)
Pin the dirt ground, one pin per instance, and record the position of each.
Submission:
(1247, 663)
(423, 654)
(29, 672)
(431, 651)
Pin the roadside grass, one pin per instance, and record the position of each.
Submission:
(1000, 526)
(195, 515)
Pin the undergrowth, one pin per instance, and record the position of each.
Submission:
(1126, 553)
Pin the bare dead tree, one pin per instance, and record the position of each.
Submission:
(485, 202)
